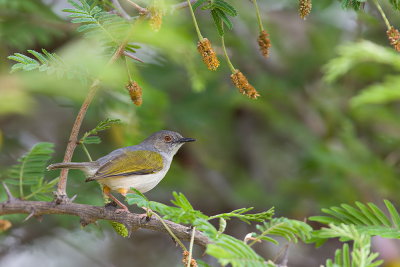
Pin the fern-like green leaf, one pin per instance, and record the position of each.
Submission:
(229, 250)
(360, 255)
(395, 4)
(30, 170)
(291, 230)
(47, 62)
(368, 219)
(217, 22)
(198, 4)
(351, 4)
(97, 22)
(243, 215)
(90, 136)
(224, 7)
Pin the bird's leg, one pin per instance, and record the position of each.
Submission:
(146, 215)
(107, 192)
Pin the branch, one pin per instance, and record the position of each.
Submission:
(90, 214)
(120, 10)
(61, 194)
(183, 5)
(142, 10)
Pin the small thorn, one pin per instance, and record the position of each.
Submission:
(73, 198)
(10, 197)
(30, 215)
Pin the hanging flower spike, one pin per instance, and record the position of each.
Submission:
(208, 54)
(304, 8)
(394, 38)
(185, 259)
(135, 92)
(245, 88)
(264, 43)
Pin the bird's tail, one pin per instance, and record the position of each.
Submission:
(69, 165)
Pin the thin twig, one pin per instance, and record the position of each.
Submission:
(170, 232)
(191, 247)
(142, 10)
(30, 215)
(126, 53)
(10, 197)
(182, 5)
(378, 6)
(120, 10)
(91, 214)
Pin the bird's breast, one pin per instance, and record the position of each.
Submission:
(143, 183)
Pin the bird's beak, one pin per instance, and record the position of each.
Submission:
(185, 140)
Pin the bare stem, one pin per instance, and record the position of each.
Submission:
(191, 247)
(120, 10)
(378, 6)
(194, 21)
(258, 16)
(233, 70)
(86, 151)
(183, 5)
(170, 232)
(141, 10)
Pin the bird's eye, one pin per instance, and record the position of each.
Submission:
(167, 138)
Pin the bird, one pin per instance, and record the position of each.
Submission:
(140, 166)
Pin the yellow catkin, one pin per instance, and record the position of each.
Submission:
(135, 92)
(394, 38)
(264, 43)
(208, 54)
(304, 8)
(185, 258)
(155, 18)
(5, 225)
(245, 88)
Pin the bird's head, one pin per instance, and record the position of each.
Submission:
(168, 142)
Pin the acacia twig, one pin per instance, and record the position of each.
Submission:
(120, 10)
(142, 10)
(90, 214)
(61, 194)
(183, 5)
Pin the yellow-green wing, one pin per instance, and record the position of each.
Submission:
(138, 162)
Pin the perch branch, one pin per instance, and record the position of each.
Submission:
(90, 214)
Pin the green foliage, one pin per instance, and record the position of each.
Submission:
(29, 173)
(96, 22)
(360, 256)
(90, 136)
(380, 93)
(353, 55)
(291, 230)
(367, 219)
(350, 55)
(229, 250)
(352, 4)
(220, 12)
(244, 216)
(27, 23)
(395, 4)
(47, 62)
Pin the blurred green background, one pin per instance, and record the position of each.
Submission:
(325, 130)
